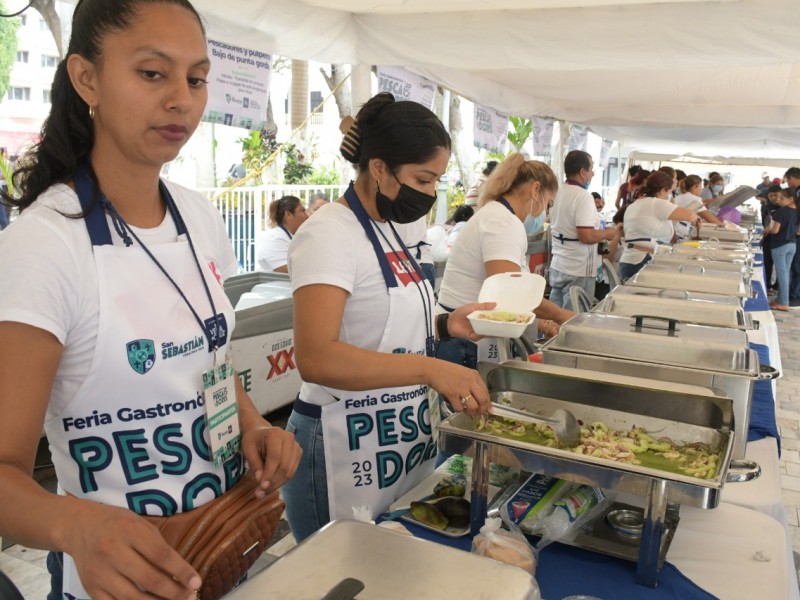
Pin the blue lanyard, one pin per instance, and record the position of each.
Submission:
(370, 227)
(505, 203)
(95, 218)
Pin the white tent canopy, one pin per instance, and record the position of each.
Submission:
(726, 73)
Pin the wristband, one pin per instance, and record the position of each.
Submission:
(441, 326)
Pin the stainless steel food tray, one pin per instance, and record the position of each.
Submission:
(635, 290)
(695, 282)
(672, 408)
(696, 312)
(696, 260)
(716, 251)
(738, 276)
(723, 235)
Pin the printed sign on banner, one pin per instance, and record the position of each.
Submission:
(238, 87)
(405, 85)
(605, 152)
(542, 135)
(491, 129)
(577, 137)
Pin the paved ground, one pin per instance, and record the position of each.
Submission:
(26, 567)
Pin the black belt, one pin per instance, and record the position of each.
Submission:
(309, 410)
(560, 237)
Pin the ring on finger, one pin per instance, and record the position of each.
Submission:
(465, 399)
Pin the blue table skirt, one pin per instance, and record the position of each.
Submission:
(564, 571)
(762, 412)
(760, 302)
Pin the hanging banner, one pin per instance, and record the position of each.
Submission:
(605, 152)
(577, 137)
(405, 85)
(542, 135)
(238, 86)
(491, 129)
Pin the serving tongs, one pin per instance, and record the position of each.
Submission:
(562, 422)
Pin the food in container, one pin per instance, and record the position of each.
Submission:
(516, 296)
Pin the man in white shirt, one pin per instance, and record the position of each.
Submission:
(574, 224)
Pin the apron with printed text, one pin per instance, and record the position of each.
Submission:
(378, 443)
(135, 434)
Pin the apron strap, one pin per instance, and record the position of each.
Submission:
(365, 221)
(96, 223)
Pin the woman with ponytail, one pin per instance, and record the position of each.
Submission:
(512, 205)
(113, 314)
(364, 329)
(285, 217)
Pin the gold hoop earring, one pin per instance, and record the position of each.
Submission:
(91, 112)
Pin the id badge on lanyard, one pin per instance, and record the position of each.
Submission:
(222, 412)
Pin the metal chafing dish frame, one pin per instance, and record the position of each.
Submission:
(697, 282)
(547, 384)
(697, 268)
(738, 266)
(682, 310)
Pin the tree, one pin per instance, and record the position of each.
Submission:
(343, 96)
(47, 8)
(519, 132)
(8, 49)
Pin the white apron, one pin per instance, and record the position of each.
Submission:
(135, 434)
(378, 443)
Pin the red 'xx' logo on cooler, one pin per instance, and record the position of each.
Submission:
(280, 363)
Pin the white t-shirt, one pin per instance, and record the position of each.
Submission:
(273, 250)
(648, 219)
(494, 233)
(415, 237)
(51, 279)
(333, 249)
(694, 203)
(573, 207)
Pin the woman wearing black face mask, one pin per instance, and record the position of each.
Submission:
(364, 329)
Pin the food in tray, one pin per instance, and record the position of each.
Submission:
(453, 485)
(634, 446)
(443, 513)
(428, 514)
(504, 316)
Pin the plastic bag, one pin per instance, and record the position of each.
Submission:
(505, 546)
(570, 513)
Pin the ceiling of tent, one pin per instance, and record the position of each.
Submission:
(633, 67)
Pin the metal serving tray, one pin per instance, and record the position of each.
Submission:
(716, 251)
(659, 341)
(703, 270)
(682, 412)
(721, 233)
(635, 290)
(695, 282)
(684, 311)
(696, 260)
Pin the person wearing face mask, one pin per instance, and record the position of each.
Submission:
(576, 232)
(364, 325)
(716, 183)
(495, 241)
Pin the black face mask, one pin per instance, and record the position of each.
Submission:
(409, 206)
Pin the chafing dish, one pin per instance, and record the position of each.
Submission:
(723, 234)
(664, 350)
(695, 282)
(703, 270)
(716, 251)
(635, 290)
(695, 260)
(684, 413)
(697, 312)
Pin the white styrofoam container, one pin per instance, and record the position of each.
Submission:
(513, 292)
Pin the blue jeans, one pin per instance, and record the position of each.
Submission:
(561, 283)
(55, 565)
(306, 494)
(794, 287)
(628, 270)
(458, 351)
(782, 256)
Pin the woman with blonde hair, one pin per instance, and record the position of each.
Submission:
(513, 200)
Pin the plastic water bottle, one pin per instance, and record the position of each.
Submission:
(568, 510)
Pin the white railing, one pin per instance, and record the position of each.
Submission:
(245, 211)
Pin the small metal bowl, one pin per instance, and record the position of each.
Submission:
(627, 522)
